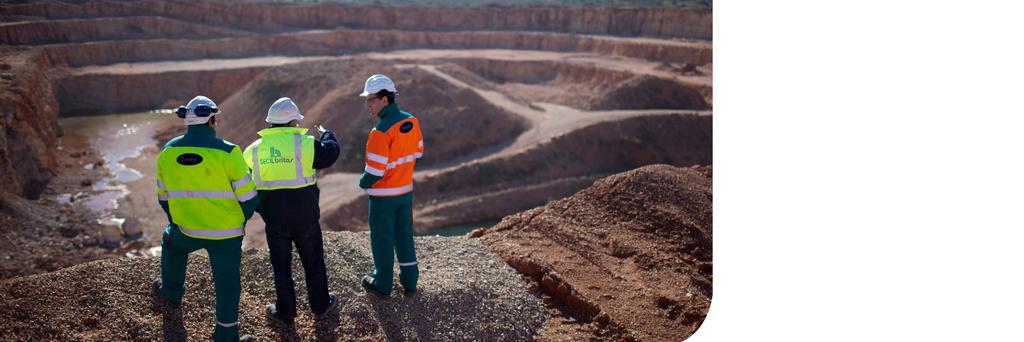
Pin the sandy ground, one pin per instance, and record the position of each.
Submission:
(465, 293)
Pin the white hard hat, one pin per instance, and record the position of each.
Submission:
(283, 111)
(377, 83)
(188, 112)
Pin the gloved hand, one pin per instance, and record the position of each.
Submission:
(321, 129)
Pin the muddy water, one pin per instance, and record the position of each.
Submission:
(126, 146)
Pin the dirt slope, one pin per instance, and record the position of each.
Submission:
(466, 294)
(628, 258)
(455, 120)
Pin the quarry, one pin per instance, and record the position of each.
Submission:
(568, 153)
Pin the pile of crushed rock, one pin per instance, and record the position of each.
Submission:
(466, 294)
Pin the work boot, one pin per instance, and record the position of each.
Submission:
(158, 286)
(272, 315)
(330, 307)
(409, 292)
(246, 338)
(368, 285)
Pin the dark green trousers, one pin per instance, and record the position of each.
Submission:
(225, 259)
(391, 235)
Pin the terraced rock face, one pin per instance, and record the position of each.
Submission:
(494, 187)
(118, 56)
(628, 258)
(455, 120)
(520, 105)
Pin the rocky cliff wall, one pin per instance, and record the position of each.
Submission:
(343, 41)
(98, 29)
(28, 124)
(584, 86)
(113, 93)
(274, 17)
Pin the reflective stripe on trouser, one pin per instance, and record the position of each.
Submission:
(225, 260)
(297, 181)
(391, 234)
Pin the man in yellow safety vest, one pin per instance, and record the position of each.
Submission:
(284, 162)
(206, 190)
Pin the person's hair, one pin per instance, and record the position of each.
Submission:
(387, 94)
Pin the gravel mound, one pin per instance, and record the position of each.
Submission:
(466, 294)
(627, 259)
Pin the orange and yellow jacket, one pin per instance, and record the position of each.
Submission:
(392, 150)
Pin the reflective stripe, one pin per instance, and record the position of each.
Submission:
(241, 182)
(421, 143)
(227, 325)
(247, 196)
(406, 263)
(200, 194)
(418, 155)
(213, 232)
(288, 182)
(374, 171)
(162, 197)
(160, 185)
(256, 164)
(389, 191)
(402, 160)
(298, 156)
(377, 158)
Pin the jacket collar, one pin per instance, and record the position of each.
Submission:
(200, 130)
(390, 109)
(281, 130)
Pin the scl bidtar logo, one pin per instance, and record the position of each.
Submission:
(275, 157)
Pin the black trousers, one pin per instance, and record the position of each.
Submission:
(310, 246)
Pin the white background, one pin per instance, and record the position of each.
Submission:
(868, 178)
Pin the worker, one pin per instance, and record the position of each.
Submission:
(284, 161)
(205, 188)
(394, 146)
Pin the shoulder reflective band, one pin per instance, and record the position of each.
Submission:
(299, 179)
(389, 191)
(213, 233)
(160, 185)
(376, 157)
(421, 144)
